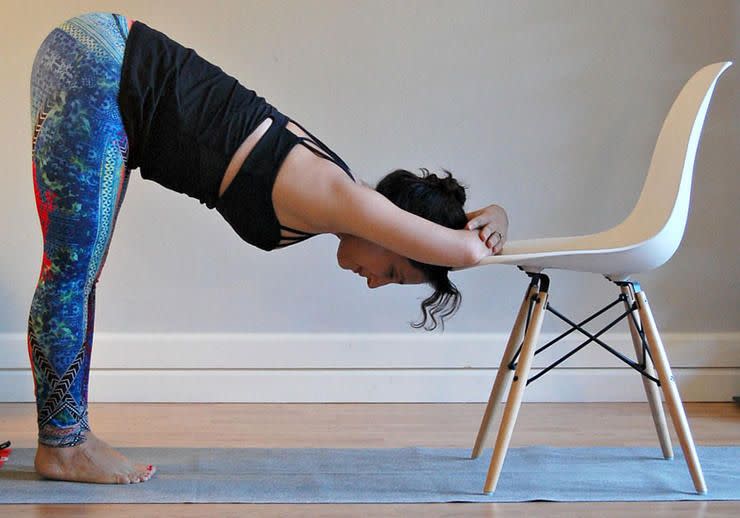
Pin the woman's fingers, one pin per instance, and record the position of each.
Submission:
(479, 219)
(491, 225)
(491, 235)
(473, 223)
(493, 214)
(484, 236)
(493, 238)
(498, 244)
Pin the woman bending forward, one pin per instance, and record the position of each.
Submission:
(108, 95)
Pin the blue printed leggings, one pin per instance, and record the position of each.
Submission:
(79, 150)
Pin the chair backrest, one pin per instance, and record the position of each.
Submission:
(662, 210)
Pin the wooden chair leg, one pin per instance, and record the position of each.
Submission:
(503, 375)
(651, 389)
(670, 391)
(514, 401)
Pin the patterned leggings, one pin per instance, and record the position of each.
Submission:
(79, 150)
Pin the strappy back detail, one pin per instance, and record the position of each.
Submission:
(322, 151)
(246, 204)
(330, 155)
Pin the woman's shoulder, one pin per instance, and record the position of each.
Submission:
(307, 189)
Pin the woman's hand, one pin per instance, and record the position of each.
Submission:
(493, 225)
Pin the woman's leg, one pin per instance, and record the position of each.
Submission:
(79, 150)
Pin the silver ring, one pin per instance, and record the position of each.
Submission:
(500, 237)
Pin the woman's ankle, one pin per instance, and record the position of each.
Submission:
(67, 437)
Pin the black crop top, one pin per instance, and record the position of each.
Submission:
(185, 118)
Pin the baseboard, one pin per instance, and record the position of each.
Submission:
(262, 368)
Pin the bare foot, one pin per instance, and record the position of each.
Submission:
(91, 461)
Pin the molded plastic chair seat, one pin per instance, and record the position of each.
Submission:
(594, 253)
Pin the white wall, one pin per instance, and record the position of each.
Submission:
(548, 108)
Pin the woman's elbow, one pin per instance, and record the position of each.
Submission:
(474, 250)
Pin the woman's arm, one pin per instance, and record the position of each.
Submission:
(363, 212)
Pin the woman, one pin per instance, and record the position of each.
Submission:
(108, 95)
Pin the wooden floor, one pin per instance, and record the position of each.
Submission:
(371, 426)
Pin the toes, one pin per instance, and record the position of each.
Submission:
(150, 472)
(143, 474)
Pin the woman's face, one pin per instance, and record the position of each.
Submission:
(378, 265)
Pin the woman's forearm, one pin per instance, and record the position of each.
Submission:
(437, 245)
(366, 213)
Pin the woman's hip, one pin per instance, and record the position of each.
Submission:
(76, 75)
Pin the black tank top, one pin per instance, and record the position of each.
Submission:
(185, 118)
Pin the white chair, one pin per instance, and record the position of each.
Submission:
(646, 239)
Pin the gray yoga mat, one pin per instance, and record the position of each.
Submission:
(330, 475)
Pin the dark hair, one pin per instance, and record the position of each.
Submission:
(439, 200)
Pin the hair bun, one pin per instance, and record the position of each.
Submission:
(448, 185)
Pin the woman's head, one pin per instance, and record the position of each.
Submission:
(437, 199)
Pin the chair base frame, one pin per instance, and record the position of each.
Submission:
(640, 364)
(517, 359)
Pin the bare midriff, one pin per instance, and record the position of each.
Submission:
(246, 147)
